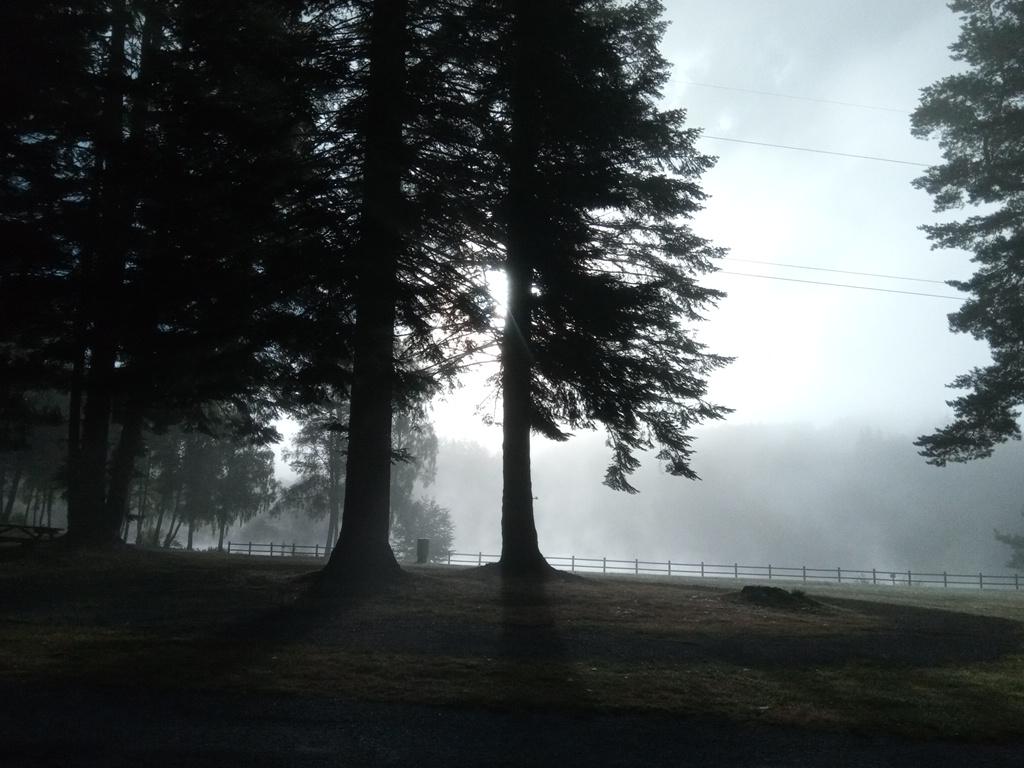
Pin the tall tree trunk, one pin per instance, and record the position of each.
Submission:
(172, 532)
(75, 406)
(175, 514)
(191, 530)
(137, 376)
(49, 507)
(25, 519)
(123, 466)
(334, 470)
(172, 529)
(37, 509)
(364, 552)
(12, 494)
(88, 521)
(520, 553)
(143, 507)
(102, 512)
(159, 524)
(220, 537)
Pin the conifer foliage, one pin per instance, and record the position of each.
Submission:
(219, 212)
(978, 116)
(596, 182)
(150, 170)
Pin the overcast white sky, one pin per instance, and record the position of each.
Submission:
(808, 353)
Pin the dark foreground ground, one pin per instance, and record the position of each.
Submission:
(78, 726)
(148, 659)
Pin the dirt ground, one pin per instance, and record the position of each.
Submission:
(113, 727)
(174, 659)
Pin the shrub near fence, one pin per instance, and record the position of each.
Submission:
(637, 567)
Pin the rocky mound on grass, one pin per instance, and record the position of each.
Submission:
(774, 597)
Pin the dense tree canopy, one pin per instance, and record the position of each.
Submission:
(153, 178)
(190, 480)
(978, 116)
(222, 212)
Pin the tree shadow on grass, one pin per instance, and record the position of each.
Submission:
(495, 644)
(481, 639)
(534, 668)
(481, 642)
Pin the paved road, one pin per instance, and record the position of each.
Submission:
(88, 726)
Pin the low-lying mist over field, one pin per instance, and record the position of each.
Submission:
(788, 495)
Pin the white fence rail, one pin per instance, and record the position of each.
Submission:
(735, 571)
(277, 550)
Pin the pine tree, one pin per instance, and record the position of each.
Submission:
(601, 271)
(52, 97)
(978, 116)
(168, 209)
(217, 208)
(363, 547)
(228, 244)
(405, 181)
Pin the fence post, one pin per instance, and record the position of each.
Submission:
(910, 578)
(572, 566)
(1016, 581)
(736, 570)
(874, 577)
(449, 557)
(669, 567)
(604, 565)
(803, 569)
(271, 549)
(229, 547)
(293, 549)
(479, 559)
(769, 571)
(839, 575)
(981, 581)
(636, 567)
(945, 580)
(316, 550)
(250, 548)
(702, 569)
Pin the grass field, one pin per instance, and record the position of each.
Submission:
(922, 663)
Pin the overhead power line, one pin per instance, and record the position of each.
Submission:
(838, 271)
(798, 98)
(842, 285)
(817, 151)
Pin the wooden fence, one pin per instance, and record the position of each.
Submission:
(277, 550)
(702, 570)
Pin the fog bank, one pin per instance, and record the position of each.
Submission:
(787, 495)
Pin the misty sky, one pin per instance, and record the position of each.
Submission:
(809, 353)
(813, 353)
(830, 385)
